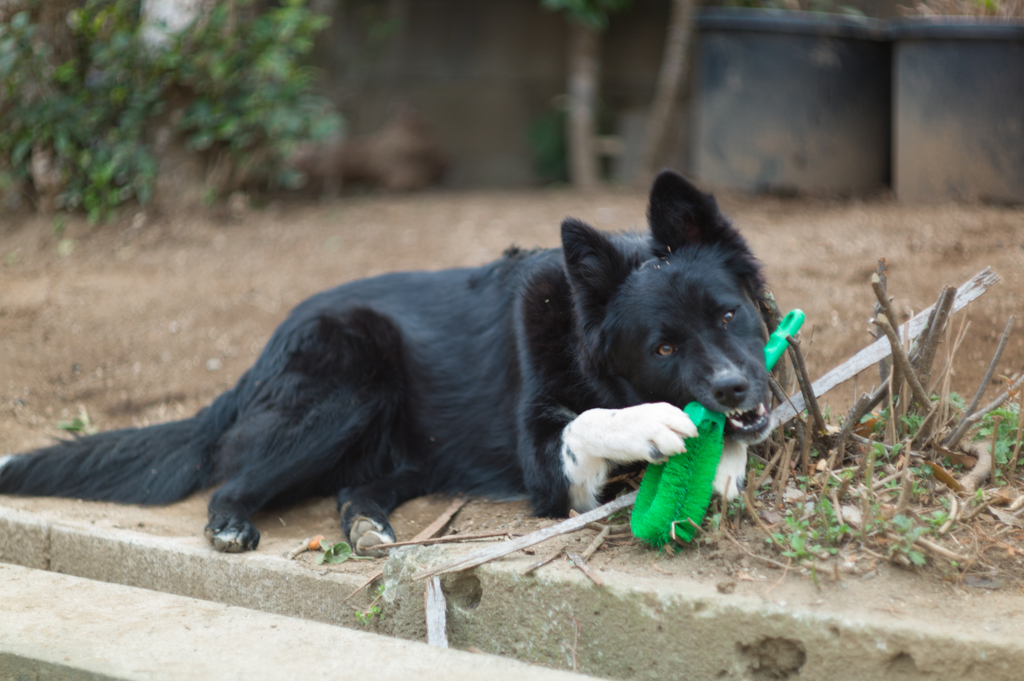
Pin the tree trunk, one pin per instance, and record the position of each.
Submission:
(670, 80)
(584, 69)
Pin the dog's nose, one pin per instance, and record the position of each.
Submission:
(730, 390)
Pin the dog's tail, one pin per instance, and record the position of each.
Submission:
(153, 465)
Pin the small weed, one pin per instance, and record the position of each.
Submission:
(365, 617)
(1006, 438)
(79, 426)
(936, 519)
(907, 532)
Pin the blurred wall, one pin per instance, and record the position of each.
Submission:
(481, 71)
(484, 71)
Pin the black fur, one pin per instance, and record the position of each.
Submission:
(459, 381)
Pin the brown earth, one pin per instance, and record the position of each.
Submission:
(149, 318)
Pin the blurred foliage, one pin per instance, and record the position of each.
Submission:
(87, 114)
(549, 146)
(248, 95)
(252, 95)
(968, 8)
(828, 6)
(593, 13)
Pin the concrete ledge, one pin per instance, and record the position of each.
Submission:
(61, 627)
(635, 627)
(176, 566)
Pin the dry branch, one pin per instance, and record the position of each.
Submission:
(969, 421)
(879, 350)
(991, 366)
(579, 562)
(899, 355)
(569, 525)
(447, 539)
(863, 405)
(924, 354)
(596, 544)
(883, 305)
(805, 385)
(540, 563)
(971, 481)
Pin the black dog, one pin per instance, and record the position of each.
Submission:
(537, 374)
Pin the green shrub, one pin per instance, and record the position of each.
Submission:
(252, 95)
(89, 112)
(248, 95)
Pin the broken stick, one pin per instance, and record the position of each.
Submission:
(569, 525)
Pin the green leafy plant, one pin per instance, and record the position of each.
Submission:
(81, 122)
(80, 426)
(594, 13)
(1006, 436)
(77, 130)
(906, 532)
(365, 617)
(252, 95)
(338, 553)
(811, 531)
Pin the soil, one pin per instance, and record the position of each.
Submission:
(150, 317)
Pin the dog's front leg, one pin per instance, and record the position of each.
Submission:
(732, 469)
(599, 438)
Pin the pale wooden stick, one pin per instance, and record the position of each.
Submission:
(569, 525)
(435, 609)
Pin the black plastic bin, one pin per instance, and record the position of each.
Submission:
(958, 117)
(791, 102)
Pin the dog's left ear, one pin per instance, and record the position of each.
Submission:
(679, 214)
(595, 265)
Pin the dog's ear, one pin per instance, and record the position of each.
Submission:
(679, 214)
(595, 265)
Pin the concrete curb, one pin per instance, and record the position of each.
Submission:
(61, 627)
(175, 566)
(640, 628)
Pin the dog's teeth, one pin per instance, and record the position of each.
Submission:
(761, 411)
(735, 423)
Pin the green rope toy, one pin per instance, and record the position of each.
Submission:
(674, 496)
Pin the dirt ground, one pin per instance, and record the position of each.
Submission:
(147, 319)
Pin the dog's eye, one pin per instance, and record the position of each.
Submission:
(728, 317)
(665, 349)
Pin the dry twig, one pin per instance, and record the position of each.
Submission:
(923, 355)
(805, 386)
(969, 421)
(570, 525)
(878, 350)
(899, 355)
(579, 562)
(447, 539)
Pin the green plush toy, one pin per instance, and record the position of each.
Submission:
(677, 492)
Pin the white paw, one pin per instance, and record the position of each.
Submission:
(646, 432)
(732, 469)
